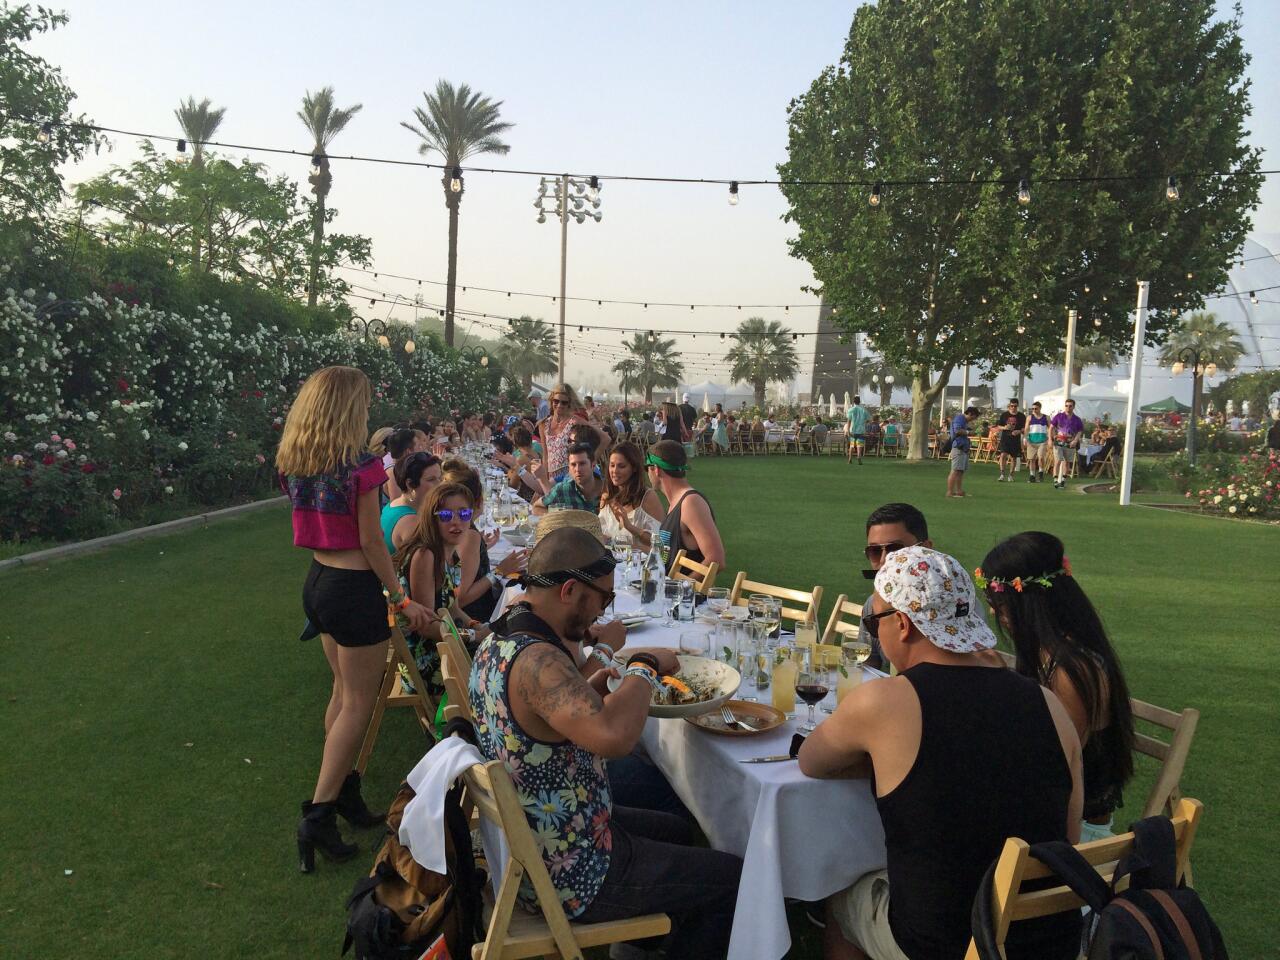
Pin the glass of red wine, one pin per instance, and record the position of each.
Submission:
(812, 684)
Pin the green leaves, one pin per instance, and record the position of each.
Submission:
(762, 353)
(651, 365)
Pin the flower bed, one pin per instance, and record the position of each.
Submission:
(1247, 487)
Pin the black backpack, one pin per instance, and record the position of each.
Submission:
(402, 910)
(1154, 919)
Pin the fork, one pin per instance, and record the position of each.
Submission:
(730, 720)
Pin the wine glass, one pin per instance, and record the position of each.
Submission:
(718, 600)
(812, 684)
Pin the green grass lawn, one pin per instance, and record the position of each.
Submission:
(162, 723)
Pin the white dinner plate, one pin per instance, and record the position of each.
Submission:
(724, 677)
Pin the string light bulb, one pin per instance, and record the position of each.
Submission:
(455, 180)
(1021, 329)
(733, 193)
(1171, 190)
(1253, 296)
(45, 133)
(182, 151)
(1097, 321)
(1024, 192)
(876, 190)
(383, 341)
(593, 190)
(410, 346)
(317, 165)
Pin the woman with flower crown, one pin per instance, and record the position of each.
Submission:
(1060, 641)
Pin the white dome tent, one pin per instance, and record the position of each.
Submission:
(1093, 400)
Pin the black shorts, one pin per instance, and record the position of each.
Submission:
(348, 605)
(1010, 445)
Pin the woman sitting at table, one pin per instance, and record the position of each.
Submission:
(1059, 640)
(629, 506)
(690, 524)
(415, 475)
(429, 569)
(479, 584)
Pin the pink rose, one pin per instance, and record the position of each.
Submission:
(117, 493)
(70, 445)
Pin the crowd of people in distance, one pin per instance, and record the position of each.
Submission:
(962, 747)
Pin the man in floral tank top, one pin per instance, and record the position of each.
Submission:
(542, 707)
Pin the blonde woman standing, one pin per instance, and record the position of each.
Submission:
(332, 481)
(556, 430)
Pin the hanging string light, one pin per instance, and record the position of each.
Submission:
(317, 164)
(593, 190)
(45, 134)
(1171, 190)
(182, 151)
(1024, 192)
(455, 180)
(874, 199)
(733, 193)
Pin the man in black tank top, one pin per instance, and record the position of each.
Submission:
(962, 754)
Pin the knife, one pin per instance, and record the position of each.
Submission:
(774, 759)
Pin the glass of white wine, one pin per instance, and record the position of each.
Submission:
(853, 654)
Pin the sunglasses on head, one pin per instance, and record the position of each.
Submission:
(465, 514)
(871, 622)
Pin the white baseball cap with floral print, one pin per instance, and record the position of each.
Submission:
(937, 595)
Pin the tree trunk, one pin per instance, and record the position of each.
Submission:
(452, 201)
(317, 238)
(648, 393)
(759, 389)
(886, 394)
(923, 396)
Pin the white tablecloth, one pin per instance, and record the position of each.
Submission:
(797, 837)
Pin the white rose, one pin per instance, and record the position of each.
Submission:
(146, 434)
(1217, 498)
(182, 445)
(168, 489)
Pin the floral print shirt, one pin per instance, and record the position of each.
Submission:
(563, 788)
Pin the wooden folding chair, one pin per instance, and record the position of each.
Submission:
(837, 628)
(1106, 465)
(703, 575)
(512, 933)
(737, 440)
(811, 600)
(1016, 867)
(392, 693)
(1165, 795)
(455, 684)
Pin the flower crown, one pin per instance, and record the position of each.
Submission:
(999, 584)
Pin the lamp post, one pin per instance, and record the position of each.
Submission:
(577, 197)
(477, 354)
(377, 329)
(1192, 356)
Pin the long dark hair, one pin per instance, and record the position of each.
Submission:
(632, 495)
(1055, 627)
(426, 533)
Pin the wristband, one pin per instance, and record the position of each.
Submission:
(606, 659)
(394, 598)
(646, 673)
(404, 602)
(645, 658)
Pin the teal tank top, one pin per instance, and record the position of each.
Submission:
(390, 517)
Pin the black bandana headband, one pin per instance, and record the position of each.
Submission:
(553, 578)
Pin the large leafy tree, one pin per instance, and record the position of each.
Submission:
(528, 348)
(199, 123)
(1216, 343)
(254, 226)
(762, 353)
(936, 99)
(457, 123)
(651, 364)
(324, 120)
(33, 93)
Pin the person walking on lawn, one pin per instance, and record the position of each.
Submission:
(1011, 425)
(858, 418)
(1067, 430)
(960, 451)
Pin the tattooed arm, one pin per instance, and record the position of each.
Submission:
(551, 700)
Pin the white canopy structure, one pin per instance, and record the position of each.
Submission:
(1093, 400)
(712, 393)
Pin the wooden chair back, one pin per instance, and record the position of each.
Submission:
(455, 684)
(703, 575)
(514, 934)
(1016, 867)
(807, 602)
(450, 636)
(837, 627)
(1165, 796)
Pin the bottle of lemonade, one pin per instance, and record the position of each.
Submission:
(784, 681)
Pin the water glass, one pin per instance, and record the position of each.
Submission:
(671, 602)
(718, 600)
(806, 633)
(693, 643)
(687, 601)
(724, 643)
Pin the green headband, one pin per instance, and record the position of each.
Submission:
(655, 461)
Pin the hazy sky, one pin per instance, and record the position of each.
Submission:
(660, 88)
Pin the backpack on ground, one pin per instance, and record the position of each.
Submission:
(1153, 919)
(402, 910)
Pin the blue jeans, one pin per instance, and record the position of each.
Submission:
(653, 869)
(635, 781)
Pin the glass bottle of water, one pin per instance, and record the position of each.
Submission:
(653, 583)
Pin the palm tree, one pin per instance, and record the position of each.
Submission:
(528, 348)
(199, 123)
(761, 354)
(323, 121)
(651, 365)
(1217, 346)
(457, 124)
(1099, 353)
(878, 370)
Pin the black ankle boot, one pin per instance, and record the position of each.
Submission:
(350, 805)
(319, 831)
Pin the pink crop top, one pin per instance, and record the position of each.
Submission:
(324, 506)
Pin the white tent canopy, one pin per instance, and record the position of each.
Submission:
(1093, 400)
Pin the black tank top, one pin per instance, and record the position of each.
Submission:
(671, 540)
(990, 766)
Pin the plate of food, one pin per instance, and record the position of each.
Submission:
(757, 717)
(701, 684)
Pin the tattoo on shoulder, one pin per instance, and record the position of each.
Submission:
(550, 684)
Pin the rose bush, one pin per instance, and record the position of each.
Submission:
(109, 407)
(1246, 487)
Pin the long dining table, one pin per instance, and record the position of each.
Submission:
(799, 838)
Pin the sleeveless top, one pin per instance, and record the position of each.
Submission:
(482, 607)
(990, 766)
(611, 528)
(563, 788)
(390, 517)
(423, 649)
(1103, 783)
(557, 452)
(671, 540)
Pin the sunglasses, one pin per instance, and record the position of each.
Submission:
(608, 595)
(465, 514)
(561, 402)
(876, 552)
(871, 622)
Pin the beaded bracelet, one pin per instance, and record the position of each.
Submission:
(603, 646)
(605, 659)
(645, 673)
